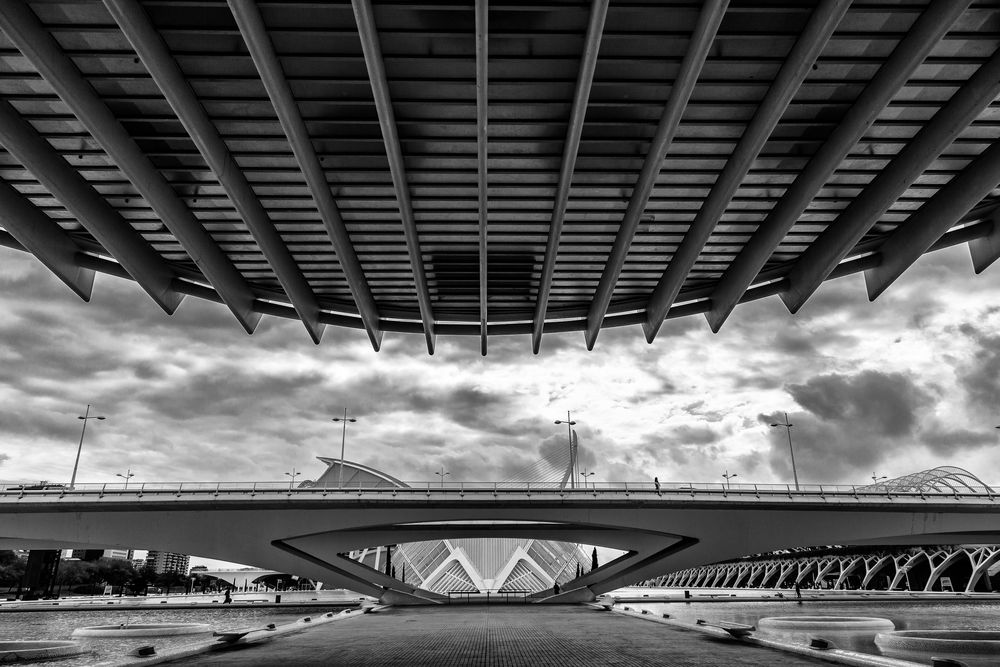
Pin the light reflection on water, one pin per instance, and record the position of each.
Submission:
(905, 615)
(60, 625)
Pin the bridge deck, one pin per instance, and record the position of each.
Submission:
(265, 492)
(494, 635)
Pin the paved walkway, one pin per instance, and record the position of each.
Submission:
(499, 636)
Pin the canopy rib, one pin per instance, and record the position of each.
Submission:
(38, 46)
(709, 20)
(482, 135)
(571, 147)
(103, 222)
(816, 263)
(935, 217)
(932, 24)
(254, 32)
(43, 237)
(394, 152)
(153, 52)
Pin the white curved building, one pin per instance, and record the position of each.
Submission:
(475, 565)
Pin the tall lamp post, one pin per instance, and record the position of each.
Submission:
(86, 417)
(343, 441)
(291, 478)
(585, 475)
(572, 450)
(728, 477)
(788, 429)
(875, 479)
(442, 474)
(128, 475)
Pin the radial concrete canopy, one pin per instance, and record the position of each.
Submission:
(488, 168)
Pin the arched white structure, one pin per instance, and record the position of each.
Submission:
(966, 564)
(460, 565)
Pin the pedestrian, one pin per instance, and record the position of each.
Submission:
(228, 598)
(656, 483)
(798, 591)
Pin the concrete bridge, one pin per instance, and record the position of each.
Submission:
(304, 530)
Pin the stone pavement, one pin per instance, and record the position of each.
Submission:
(498, 636)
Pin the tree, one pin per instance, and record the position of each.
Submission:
(115, 572)
(74, 574)
(142, 579)
(11, 569)
(168, 580)
(593, 559)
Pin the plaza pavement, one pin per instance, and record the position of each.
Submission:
(490, 636)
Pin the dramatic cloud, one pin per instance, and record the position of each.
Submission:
(852, 423)
(192, 397)
(879, 403)
(980, 375)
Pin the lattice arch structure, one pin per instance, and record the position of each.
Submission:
(966, 569)
(937, 480)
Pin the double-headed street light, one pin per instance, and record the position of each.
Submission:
(572, 450)
(343, 441)
(442, 473)
(788, 429)
(728, 477)
(875, 479)
(585, 475)
(85, 417)
(128, 475)
(291, 478)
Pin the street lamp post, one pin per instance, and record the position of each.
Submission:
(442, 474)
(343, 441)
(86, 417)
(728, 477)
(788, 429)
(875, 479)
(291, 478)
(128, 474)
(572, 450)
(585, 475)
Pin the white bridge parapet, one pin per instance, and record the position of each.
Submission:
(500, 491)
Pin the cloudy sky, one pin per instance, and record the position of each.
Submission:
(909, 382)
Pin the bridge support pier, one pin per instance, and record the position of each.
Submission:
(40, 573)
(573, 596)
(403, 599)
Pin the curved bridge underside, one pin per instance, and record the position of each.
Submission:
(305, 533)
(523, 167)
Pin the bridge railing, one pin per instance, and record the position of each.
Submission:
(673, 490)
